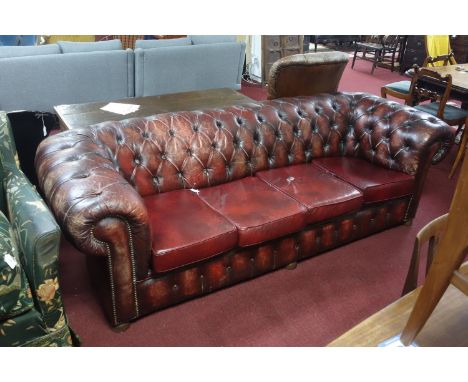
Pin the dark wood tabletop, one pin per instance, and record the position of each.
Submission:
(85, 114)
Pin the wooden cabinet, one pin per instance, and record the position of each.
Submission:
(276, 47)
(414, 52)
(459, 45)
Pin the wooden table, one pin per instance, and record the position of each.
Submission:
(447, 326)
(81, 115)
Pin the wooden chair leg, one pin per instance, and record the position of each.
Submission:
(354, 58)
(383, 92)
(376, 58)
(460, 153)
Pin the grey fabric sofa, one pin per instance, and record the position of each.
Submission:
(42, 77)
(186, 64)
(37, 78)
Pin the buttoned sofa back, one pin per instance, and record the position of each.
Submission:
(202, 148)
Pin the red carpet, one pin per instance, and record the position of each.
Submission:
(309, 306)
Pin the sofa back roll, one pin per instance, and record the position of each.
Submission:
(40, 82)
(199, 149)
(187, 68)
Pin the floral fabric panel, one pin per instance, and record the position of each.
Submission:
(15, 294)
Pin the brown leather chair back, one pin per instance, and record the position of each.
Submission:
(306, 74)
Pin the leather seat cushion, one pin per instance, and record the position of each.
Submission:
(324, 195)
(259, 211)
(185, 230)
(376, 183)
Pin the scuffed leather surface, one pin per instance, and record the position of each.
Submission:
(186, 230)
(259, 211)
(246, 263)
(92, 174)
(376, 184)
(306, 74)
(324, 195)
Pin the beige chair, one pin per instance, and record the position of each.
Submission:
(306, 74)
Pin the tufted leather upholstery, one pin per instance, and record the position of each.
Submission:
(95, 180)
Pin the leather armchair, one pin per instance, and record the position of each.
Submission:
(306, 74)
(31, 310)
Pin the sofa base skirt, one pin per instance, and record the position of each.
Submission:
(159, 291)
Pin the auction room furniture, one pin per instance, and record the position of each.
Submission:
(381, 49)
(448, 258)
(181, 204)
(337, 40)
(401, 89)
(37, 78)
(442, 304)
(447, 325)
(186, 64)
(275, 47)
(452, 115)
(429, 235)
(80, 115)
(306, 74)
(31, 310)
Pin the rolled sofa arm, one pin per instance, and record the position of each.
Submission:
(86, 193)
(395, 136)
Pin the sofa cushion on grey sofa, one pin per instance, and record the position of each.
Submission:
(76, 47)
(39, 83)
(212, 39)
(148, 44)
(188, 68)
(20, 51)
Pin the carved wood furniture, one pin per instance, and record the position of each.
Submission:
(275, 47)
(177, 205)
(401, 89)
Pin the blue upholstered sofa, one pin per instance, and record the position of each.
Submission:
(39, 77)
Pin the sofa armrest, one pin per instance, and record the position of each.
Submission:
(38, 237)
(85, 192)
(395, 136)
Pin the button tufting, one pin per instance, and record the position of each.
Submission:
(189, 152)
(239, 121)
(219, 124)
(260, 118)
(163, 156)
(171, 133)
(195, 128)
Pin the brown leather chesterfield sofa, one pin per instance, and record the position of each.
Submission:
(177, 205)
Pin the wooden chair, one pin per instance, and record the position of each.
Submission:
(401, 89)
(379, 49)
(430, 234)
(452, 115)
(449, 256)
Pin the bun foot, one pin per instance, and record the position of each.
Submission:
(291, 266)
(409, 222)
